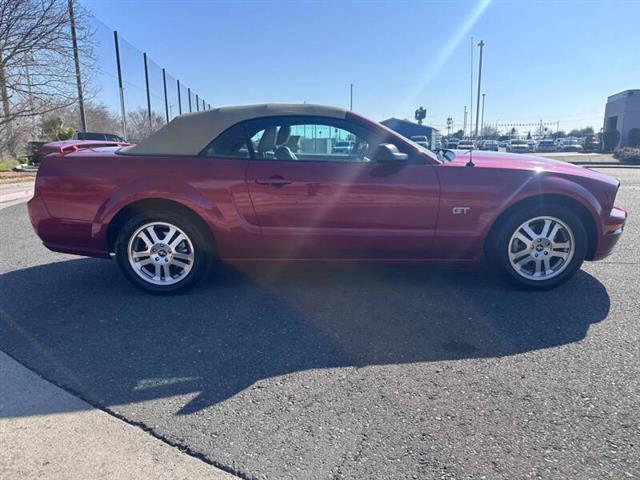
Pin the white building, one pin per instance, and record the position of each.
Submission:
(622, 113)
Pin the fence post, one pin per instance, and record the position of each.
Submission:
(76, 59)
(179, 99)
(121, 88)
(146, 81)
(189, 94)
(166, 101)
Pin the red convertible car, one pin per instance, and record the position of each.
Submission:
(267, 182)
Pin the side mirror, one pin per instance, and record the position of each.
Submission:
(388, 152)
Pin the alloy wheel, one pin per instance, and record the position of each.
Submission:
(541, 248)
(161, 253)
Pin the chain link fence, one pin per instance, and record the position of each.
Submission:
(126, 92)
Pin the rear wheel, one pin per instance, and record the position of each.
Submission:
(161, 252)
(538, 247)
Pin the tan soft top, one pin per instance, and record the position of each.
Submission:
(189, 134)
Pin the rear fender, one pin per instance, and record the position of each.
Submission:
(154, 188)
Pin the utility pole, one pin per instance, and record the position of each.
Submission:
(464, 128)
(351, 96)
(481, 45)
(471, 89)
(76, 59)
(482, 118)
(449, 125)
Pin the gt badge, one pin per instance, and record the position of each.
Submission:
(460, 210)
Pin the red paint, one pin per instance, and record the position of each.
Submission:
(262, 209)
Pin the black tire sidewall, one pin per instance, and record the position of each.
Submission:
(201, 258)
(499, 244)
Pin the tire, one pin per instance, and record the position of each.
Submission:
(162, 265)
(535, 261)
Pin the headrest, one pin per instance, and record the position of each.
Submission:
(268, 140)
(283, 134)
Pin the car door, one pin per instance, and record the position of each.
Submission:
(312, 201)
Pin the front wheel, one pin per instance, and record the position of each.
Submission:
(161, 252)
(538, 247)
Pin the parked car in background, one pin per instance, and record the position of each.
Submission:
(105, 137)
(559, 143)
(532, 145)
(421, 140)
(466, 145)
(490, 145)
(591, 144)
(503, 143)
(223, 185)
(572, 146)
(453, 142)
(518, 146)
(35, 153)
(546, 145)
(343, 147)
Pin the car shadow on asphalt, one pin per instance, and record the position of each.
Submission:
(79, 324)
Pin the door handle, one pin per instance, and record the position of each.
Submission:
(274, 180)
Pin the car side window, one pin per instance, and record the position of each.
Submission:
(232, 143)
(298, 139)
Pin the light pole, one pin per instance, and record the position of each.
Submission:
(351, 96)
(482, 118)
(481, 45)
(449, 125)
(464, 128)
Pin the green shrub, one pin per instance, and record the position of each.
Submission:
(633, 139)
(610, 139)
(628, 155)
(7, 164)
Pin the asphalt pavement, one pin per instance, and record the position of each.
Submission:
(347, 372)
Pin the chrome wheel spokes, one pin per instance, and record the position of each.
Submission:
(541, 248)
(161, 253)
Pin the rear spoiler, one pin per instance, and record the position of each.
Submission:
(69, 146)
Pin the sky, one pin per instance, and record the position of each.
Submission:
(550, 61)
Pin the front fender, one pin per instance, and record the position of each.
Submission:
(543, 184)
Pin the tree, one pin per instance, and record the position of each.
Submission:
(138, 126)
(581, 132)
(558, 134)
(459, 134)
(610, 138)
(633, 138)
(490, 132)
(37, 72)
(53, 128)
(99, 118)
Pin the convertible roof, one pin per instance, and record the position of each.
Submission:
(189, 134)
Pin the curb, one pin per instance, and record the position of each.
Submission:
(18, 195)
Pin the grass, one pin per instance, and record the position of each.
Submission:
(7, 164)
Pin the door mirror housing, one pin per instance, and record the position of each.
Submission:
(388, 152)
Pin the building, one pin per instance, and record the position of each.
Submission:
(409, 129)
(622, 113)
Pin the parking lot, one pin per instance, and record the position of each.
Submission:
(347, 372)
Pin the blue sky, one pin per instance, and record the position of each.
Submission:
(550, 61)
